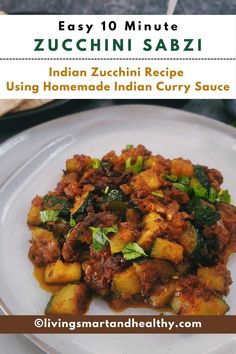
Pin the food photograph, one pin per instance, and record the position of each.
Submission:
(117, 207)
(124, 207)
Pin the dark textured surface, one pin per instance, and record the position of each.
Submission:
(206, 7)
(118, 7)
(85, 6)
(215, 109)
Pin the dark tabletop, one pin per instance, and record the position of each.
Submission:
(118, 7)
(216, 109)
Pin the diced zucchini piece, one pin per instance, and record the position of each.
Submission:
(214, 279)
(34, 216)
(126, 283)
(78, 163)
(181, 167)
(157, 163)
(148, 179)
(189, 239)
(72, 165)
(132, 215)
(120, 239)
(192, 304)
(165, 249)
(61, 273)
(38, 233)
(163, 295)
(70, 300)
(155, 268)
(151, 227)
(148, 163)
(82, 202)
(183, 268)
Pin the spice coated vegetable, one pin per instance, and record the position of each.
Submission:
(135, 229)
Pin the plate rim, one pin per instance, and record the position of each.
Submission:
(193, 119)
(207, 121)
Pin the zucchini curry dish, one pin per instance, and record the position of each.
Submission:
(137, 230)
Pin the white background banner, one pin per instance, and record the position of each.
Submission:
(117, 56)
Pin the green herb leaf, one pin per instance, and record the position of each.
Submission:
(83, 207)
(58, 204)
(224, 196)
(158, 194)
(100, 239)
(205, 215)
(181, 187)
(201, 176)
(203, 212)
(212, 195)
(132, 251)
(136, 167)
(108, 230)
(114, 194)
(72, 222)
(199, 190)
(170, 178)
(184, 180)
(49, 215)
(95, 163)
(129, 146)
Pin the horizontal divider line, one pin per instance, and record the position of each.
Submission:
(5, 59)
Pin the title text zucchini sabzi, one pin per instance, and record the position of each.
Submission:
(117, 44)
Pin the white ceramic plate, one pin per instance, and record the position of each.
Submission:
(31, 163)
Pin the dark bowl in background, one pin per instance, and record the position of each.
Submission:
(58, 108)
(30, 117)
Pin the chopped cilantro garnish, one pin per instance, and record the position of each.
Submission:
(49, 215)
(100, 239)
(129, 146)
(184, 180)
(170, 178)
(95, 163)
(203, 212)
(136, 167)
(201, 176)
(224, 196)
(158, 194)
(205, 215)
(133, 250)
(212, 195)
(72, 222)
(199, 190)
(182, 187)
